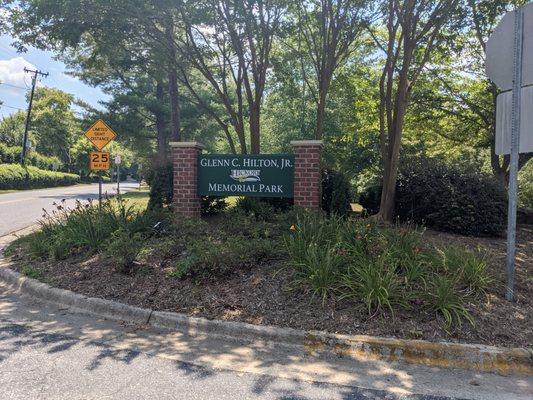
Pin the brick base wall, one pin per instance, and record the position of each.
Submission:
(186, 200)
(307, 174)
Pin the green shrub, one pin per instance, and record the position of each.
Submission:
(525, 185)
(212, 205)
(375, 283)
(209, 257)
(124, 246)
(310, 230)
(14, 176)
(446, 198)
(370, 199)
(31, 272)
(88, 227)
(279, 204)
(384, 268)
(39, 244)
(475, 275)
(468, 268)
(336, 193)
(93, 178)
(318, 269)
(256, 207)
(161, 181)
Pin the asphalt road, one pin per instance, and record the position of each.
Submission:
(25, 207)
(52, 353)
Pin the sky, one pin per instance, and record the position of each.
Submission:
(15, 83)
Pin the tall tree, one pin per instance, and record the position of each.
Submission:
(54, 125)
(328, 28)
(413, 30)
(12, 129)
(172, 79)
(107, 45)
(229, 42)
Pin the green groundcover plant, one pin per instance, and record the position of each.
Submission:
(386, 268)
(113, 227)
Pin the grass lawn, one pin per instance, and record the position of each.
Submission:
(138, 198)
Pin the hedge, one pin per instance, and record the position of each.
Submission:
(336, 192)
(14, 176)
(445, 197)
(11, 155)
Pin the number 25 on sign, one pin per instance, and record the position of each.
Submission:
(99, 161)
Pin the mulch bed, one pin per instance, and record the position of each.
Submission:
(263, 295)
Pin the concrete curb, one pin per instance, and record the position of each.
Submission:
(437, 354)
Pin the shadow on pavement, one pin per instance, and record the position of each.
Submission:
(273, 371)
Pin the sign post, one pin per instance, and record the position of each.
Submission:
(513, 167)
(99, 161)
(118, 161)
(100, 135)
(507, 53)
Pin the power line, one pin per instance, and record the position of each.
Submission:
(16, 108)
(13, 86)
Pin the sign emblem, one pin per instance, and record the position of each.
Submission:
(100, 134)
(243, 175)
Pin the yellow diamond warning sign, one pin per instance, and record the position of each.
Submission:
(100, 134)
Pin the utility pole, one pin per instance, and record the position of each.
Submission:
(28, 115)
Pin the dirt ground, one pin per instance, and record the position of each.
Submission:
(263, 295)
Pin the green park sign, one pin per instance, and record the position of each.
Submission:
(270, 175)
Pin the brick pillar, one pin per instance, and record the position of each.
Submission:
(307, 176)
(185, 159)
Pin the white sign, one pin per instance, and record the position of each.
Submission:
(500, 51)
(118, 159)
(504, 105)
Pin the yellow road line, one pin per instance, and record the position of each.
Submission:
(17, 200)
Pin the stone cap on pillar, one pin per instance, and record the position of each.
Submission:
(195, 145)
(318, 143)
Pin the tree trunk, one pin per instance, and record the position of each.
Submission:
(173, 85)
(320, 115)
(390, 173)
(160, 125)
(255, 144)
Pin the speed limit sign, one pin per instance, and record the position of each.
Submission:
(99, 161)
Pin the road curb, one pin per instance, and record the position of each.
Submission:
(436, 354)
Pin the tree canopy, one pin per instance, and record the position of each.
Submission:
(379, 82)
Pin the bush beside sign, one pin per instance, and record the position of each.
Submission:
(270, 175)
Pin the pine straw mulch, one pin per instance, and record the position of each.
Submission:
(263, 295)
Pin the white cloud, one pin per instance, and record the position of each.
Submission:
(12, 71)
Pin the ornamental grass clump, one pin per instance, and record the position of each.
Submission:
(87, 227)
(384, 268)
